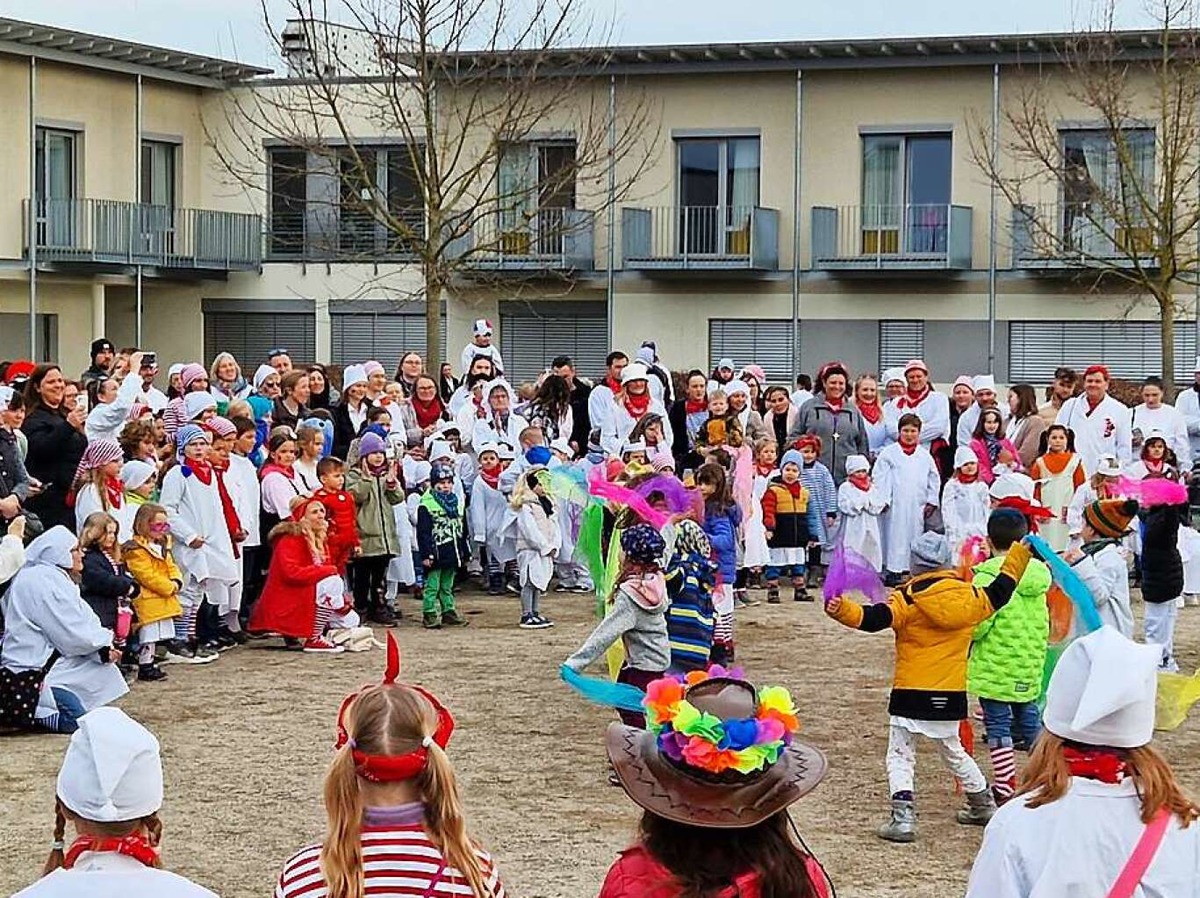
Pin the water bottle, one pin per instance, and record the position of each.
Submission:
(124, 622)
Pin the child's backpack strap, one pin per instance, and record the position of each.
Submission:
(1141, 858)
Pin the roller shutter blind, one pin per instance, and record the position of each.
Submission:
(1130, 349)
(768, 343)
(900, 342)
(251, 335)
(383, 336)
(532, 334)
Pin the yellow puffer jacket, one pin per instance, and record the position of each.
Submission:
(934, 616)
(159, 578)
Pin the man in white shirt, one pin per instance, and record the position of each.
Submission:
(1187, 403)
(920, 399)
(984, 386)
(803, 391)
(600, 400)
(481, 345)
(1101, 424)
(1154, 414)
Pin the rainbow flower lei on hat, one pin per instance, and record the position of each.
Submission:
(706, 742)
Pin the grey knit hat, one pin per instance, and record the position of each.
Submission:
(929, 552)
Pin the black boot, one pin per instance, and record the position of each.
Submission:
(149, 673)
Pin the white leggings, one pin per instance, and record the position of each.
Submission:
(1160, 630)
(902, 761)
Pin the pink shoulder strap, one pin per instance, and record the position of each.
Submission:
(1143, 855)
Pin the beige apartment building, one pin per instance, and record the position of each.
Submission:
(805, 201)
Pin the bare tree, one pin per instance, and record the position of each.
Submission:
(1115, 197)
(489, 120)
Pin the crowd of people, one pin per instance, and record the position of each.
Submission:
(150, 527)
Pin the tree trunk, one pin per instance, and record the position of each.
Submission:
(433, 330)
(1166, 310)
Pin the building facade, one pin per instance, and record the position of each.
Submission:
(803, 201)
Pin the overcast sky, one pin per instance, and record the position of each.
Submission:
(234, 28)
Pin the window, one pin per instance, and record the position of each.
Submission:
(1130, 349)
(900, 341)
(251, 335)
(533, 333)
(55, 165)
(1096, 183)
(386, 336)
(535, 183)
(768, 343)
(905, 193)
(157, 211)
(288, 176)
(718, 190)
(358, 179)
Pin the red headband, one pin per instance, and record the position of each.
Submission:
(810, 441)
(393, 768)
(301, 508)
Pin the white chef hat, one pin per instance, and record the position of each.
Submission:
(195, 404)
(561, 445)
(439, 449)
(353, 374)
(964, 455)
(112, 771)
(1011, 485)
(893, 375)
(488, 446)
(984, 382)
(737, 386)
(505, 451)
(633, 446)
(178, 367)
(726, 364)
(261, 373)
(1103, 690)
(645, 355)
(136, 472)
(857, 463)
(636, 371)
(482, 327)
(6, 395)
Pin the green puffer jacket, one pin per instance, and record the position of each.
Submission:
(1008, 650)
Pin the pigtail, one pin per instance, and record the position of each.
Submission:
(445, 822)
(56, 858)
(341, 852)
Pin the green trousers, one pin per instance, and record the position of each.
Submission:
(439, 590)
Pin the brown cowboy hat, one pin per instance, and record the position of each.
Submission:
(731, 800)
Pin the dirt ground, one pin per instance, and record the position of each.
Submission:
(246, 740)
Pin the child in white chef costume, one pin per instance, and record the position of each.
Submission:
(110, 788)
(1077, 824)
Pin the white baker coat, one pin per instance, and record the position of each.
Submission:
(1174, 429)
(934, 412)
(907, 483)
(1106, 431)
(1106, 575)
(1187, 403)
(242, 482)
(965, 510)
(107, 419)
(471, 351)
(111, 875)
(194, 509)
(538, 544)
(1077, 846)
(858, 512)
(618, 424)
(87, 503)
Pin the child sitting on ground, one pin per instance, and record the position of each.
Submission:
(636, 616)
(933, 616)
(1008, 653)
(442, 548)
(790, 519)
(690, 576)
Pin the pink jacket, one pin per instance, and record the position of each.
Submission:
(986, 474)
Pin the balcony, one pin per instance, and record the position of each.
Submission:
(915, 238)
(700, 238)
(1061, 237)
(327, 233)
(550, 241)
(116, 233)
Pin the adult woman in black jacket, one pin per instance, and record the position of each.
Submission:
(56, 443)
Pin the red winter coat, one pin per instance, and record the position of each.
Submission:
(342, 515)
(638, 875)
(288, 604)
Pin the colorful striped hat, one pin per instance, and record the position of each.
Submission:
(1110, 518)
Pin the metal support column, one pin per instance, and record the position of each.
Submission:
(137, 193)
(612, 210)
(992, 222)
(796, 229)
(31, 224)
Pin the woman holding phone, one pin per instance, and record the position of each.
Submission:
(55, 431)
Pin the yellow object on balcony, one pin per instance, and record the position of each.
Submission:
(879, 241)
(514, 243)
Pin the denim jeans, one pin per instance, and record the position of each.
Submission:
(70, 709)
(774, 572)
(1002, 719)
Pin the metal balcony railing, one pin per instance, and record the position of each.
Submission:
(1053, 236)
(327, 233)
(914, 237)
(550, 239)
(680, 238)
(116, 232)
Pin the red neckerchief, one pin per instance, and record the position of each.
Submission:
(1092, 406)
(232, 523)
(637, 406)
(764, 470)
(114, 492)
(613, 384)
(962, 478)
(872, 413)
(835, 405)
(695, 406)
(1153, 468)
(270, 466)
(1100, 765)
(909, 450)
(133, 845)
(861, 479)
(202, 470)
(491, 476)
(428, 413)
(909, 399)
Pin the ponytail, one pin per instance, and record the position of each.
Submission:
(55, 860)
(341, 852)
(444, 819)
